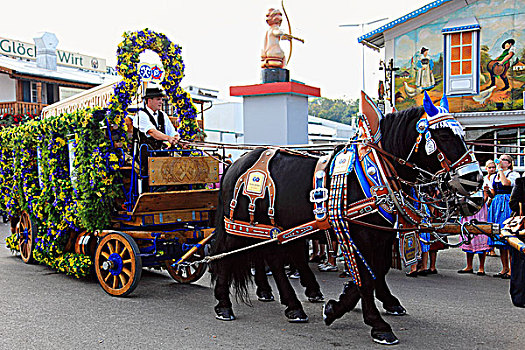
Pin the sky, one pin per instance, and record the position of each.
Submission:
(221, 40)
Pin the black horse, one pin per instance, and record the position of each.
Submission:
(292, 208)
(292, 175)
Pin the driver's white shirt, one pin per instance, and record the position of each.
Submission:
(142, 122)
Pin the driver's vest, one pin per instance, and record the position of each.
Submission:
(161, 126)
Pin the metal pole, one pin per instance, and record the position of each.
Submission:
(363, 55)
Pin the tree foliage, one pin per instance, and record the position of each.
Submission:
(337, 110)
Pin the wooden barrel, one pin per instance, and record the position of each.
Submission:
(86, 243)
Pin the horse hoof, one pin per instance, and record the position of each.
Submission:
(296, 316)
(265, 296)
(397, 310)
(385, 338)
(329, 312)
(224, 313)
(316, 298)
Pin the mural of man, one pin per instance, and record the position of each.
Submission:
(425, 77)
(501, 65)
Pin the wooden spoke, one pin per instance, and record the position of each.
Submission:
(105, 255)
(123, 252)
(115, 282)
(122, 279)
(110, 247)
(127, 261)
(117, 244)
(107, 277)
(126, 271)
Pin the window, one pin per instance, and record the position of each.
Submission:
(34, 93)
(461, 39)
(460, 53)
(29, 91)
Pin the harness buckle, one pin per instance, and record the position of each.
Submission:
(318, 195)
(441, 156)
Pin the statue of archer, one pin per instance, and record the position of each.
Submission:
(272, 55)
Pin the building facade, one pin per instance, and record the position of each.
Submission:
(33, 76)
(471, 51)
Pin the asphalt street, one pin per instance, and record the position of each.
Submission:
(42, 309)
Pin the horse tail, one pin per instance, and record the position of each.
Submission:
(234, 268)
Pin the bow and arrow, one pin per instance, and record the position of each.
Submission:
(289, 36)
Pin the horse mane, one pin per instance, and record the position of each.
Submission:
(399, 129)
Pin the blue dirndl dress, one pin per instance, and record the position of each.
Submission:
(499, 210)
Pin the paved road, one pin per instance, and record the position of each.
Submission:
(41, 309)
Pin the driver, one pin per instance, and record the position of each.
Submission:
(151, 123)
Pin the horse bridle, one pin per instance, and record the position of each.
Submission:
(465, 165)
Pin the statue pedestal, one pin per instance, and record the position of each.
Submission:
(275, 75)
(275, 113)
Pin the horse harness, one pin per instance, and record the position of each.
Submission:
(378, 180)
(256, 182)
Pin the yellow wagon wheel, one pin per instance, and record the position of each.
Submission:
(187, 273)
(26, 231)
(118, 264)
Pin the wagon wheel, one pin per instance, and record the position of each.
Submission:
(187, 273)
(26, 231)
(118, 264)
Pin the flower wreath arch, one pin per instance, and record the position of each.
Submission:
(128, 53)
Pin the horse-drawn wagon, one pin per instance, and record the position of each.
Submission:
(79, 190)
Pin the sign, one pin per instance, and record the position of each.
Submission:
(150, 72)
(409, 247)
(65, 92)
(343, 163)
(72, 170)
(39, 165)
(256, 182)
(21, 49)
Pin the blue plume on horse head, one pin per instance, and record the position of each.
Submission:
(444, 102)
(429, 107)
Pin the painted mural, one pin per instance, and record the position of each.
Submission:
(419, 56)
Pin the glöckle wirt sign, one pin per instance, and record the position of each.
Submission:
(15, 48)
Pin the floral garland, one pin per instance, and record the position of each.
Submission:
(128, 53)
(8, 190)
(56, 206)
(59, 207)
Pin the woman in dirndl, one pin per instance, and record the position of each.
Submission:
(479, 243)
(499, 210)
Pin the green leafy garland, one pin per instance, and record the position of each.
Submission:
(57, 206)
